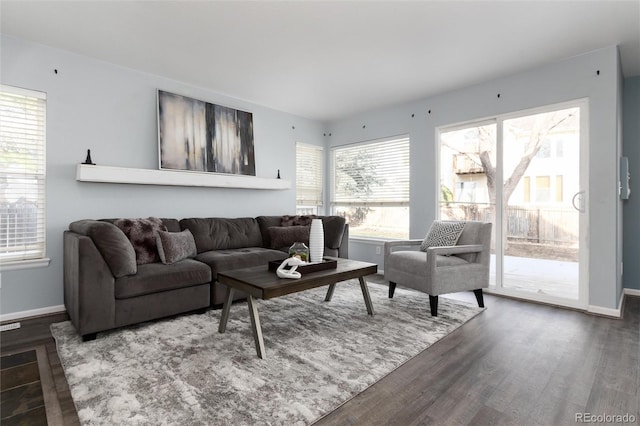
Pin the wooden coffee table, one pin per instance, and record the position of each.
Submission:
(260, 283)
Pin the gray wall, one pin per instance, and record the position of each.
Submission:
(566, 80)
(112, 111)
(631, 209)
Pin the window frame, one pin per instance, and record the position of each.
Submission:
(375, 199)
(315, 201)
(31, 255)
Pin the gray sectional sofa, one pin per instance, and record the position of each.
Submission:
(108, 285)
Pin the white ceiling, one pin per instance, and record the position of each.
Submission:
(325, 60)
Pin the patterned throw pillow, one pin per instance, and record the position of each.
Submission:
(175, 246)
(442, 233)
(142, 234)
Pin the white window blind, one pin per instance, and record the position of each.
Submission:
(22, 174)
(309, 173)
(373, 174)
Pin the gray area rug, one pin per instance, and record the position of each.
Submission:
(319, 355)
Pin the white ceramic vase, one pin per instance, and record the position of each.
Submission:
(316, 241)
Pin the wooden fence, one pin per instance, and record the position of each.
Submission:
(558, 226)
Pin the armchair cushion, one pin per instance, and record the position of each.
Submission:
(442, 233)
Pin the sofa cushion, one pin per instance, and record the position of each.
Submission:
(266, 222)
(297, 220)
(442, 233)
(333, 231)
(285, 236)
(173, 225)
(142, 234)
(225, 260)
(334, 227)
(175, 246)
(156, 277)
(222, 233)
(113, 245)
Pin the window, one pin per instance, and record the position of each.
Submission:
(466, 192)
(22, 174)
(559, 192)
(309, 174)
(545, 150)
(543, 189)
(559, 148)
(527, 189)
(370, 184)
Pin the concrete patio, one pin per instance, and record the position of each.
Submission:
(550, 277)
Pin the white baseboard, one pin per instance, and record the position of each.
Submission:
(32, 313)
(632, 292)
(609, 312)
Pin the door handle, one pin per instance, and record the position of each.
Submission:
(578, 196)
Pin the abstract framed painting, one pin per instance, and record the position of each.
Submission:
(199, 136)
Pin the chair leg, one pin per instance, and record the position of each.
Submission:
(479, 297)
(392, 289)
(433, 304)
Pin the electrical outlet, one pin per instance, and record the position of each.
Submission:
(378, 250)
(11, 326)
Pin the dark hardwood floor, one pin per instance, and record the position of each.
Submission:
(516, 363)
(21, 399)
(34, 336)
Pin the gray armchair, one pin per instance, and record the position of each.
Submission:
(441, 270)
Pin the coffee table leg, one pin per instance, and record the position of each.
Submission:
(365, 294)
(330, 293)
(255, 327)
(224, 317)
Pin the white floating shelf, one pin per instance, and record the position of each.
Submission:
(109, 174)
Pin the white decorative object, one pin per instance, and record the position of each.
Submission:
(316, 241)
(293, 262)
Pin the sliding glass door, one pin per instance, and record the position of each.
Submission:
(526, 174)
(467, 177)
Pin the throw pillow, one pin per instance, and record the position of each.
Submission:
(142, 234)
(442, 233)
(297, 220)
(175, 246)
(285, 236)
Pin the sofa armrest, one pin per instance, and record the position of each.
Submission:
(343, 250)
(89, 285)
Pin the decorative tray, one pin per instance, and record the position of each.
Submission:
(306, 269)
